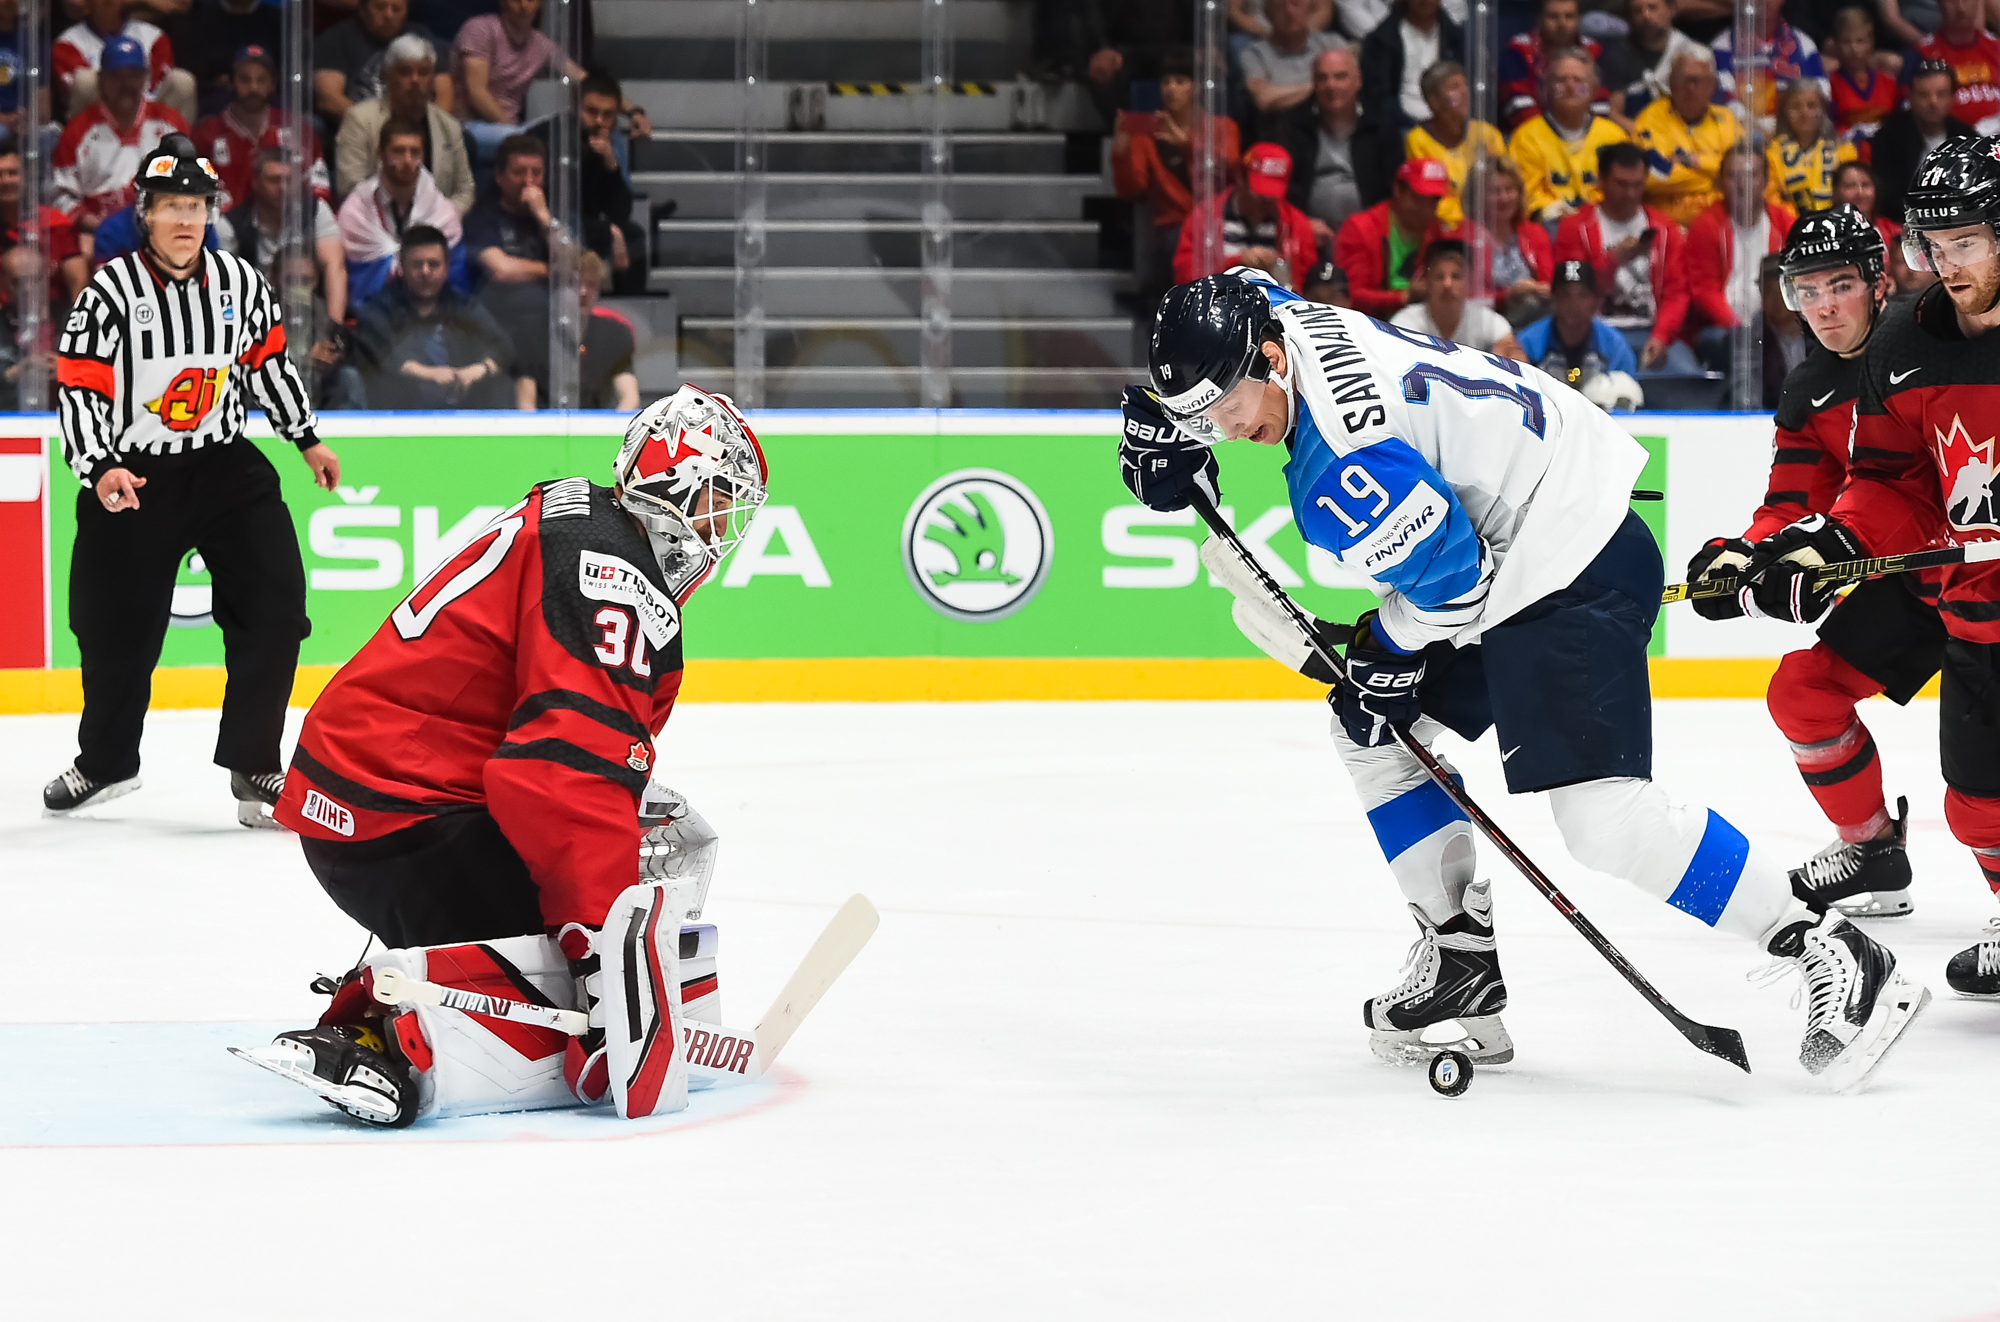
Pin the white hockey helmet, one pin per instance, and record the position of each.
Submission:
(691, 471)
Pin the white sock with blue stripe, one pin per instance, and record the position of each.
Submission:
(1427, 840)
(1686, 855)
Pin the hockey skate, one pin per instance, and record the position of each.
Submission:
(1858, 1004)
(255, 796)
(348, 1066)
(1452, 981)
(73, 790)
(1974, 972)
(1866, 879)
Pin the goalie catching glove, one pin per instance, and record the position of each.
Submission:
(1264, 622)
(1782, 573)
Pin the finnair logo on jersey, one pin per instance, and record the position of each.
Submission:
(1421, 512)
(324, 811)
(608, 578)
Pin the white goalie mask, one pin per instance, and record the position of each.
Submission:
(692, 473)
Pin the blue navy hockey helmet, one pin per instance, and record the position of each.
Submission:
(1206, 340)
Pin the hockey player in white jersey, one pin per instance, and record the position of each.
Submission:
(1489, 504)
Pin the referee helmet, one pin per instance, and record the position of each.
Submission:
(176, 168)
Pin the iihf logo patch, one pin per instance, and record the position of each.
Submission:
(228, 306)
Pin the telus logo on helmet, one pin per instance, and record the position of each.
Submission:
(977, 545)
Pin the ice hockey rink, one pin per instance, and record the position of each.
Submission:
(1102, 1060)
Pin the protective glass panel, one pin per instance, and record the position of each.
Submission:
(43, 268)
(1753, 284)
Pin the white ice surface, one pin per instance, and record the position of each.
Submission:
(1103, 1059)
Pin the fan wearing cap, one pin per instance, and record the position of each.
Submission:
(97, 158)
(232, 137)
(1259, 227)
(1379, 247)
(78, 57)
(1578, 348)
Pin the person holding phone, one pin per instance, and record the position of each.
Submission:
(1152, 159)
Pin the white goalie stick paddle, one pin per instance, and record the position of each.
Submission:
(714, 1051)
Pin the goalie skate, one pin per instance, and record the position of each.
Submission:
(1858, 1004)
(1451, 994)
(348, 1068)
(1865, 879)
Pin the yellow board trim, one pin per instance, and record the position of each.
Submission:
(921, 679)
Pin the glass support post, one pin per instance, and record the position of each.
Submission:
(751, 51)
(937, 255)
(35, 341)
(297, 208)
(1482, 53)
(562, 23)
(1746, 338)
(1211, 107)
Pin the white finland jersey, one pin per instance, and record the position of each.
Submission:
(157, 365)
(1468, 486)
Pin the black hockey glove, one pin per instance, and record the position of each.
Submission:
(1719, 557)
(1380, 690)
(1782, 569)
(1162, 467)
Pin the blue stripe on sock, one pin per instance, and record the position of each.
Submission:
(1412, 816)
(1711, 878)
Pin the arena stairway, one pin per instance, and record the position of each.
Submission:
(1038, 317)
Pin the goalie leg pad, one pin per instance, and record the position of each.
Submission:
(475, 1064)
(639, 947)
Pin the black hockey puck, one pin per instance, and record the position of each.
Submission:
(1450, 1073)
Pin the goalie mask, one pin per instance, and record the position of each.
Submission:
(693, 474)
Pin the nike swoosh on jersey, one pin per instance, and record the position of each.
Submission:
(1896, 378)
(1823, 398)
(1510, 752)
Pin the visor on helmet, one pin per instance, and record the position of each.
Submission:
(1924, 252)
(1827, 282)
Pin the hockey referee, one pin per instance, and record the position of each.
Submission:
(151, 374)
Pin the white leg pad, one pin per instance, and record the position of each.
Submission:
(471, 1064)
(1684, 854)
(640, 952)
(1426, 839)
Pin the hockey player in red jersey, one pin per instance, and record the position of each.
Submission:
(1920, 474)
(1884, 636)
(476, 771)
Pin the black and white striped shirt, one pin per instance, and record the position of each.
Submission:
(150, 364)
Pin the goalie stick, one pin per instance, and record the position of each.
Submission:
(1844, 570)
(829, 957)
(1726, 1043)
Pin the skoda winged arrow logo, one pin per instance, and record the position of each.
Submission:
(977, 545)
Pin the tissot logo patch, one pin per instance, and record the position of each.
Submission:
(604, 577)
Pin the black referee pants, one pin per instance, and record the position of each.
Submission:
(220, 500)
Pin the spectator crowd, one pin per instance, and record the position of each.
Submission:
(1619, 206)
(423, 265)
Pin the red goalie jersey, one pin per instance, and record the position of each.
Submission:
(526, 677)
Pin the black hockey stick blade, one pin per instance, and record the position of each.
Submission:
(1724, 1042)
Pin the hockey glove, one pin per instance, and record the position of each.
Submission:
(1781, 572)
(1162, 467)
(1266, 623)
(1380, 690)
(1720, 557)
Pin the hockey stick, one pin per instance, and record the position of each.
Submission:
(394, 987)
(829, 957)
(1845, 570)
(1724, 1042)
